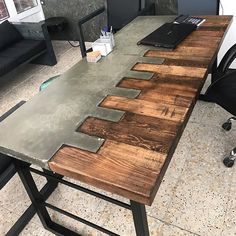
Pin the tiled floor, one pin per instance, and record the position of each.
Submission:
(197, 195)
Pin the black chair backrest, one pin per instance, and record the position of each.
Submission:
(223, 92)
(227, 60)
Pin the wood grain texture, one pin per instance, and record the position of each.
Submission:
(131, 130)
(196, 43)
(171, 90)
(142, 107)
(138, 148)
(185, 53)
(113, 168)
(170, 70)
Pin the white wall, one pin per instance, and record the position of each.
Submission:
(228, 7)
(34, 14)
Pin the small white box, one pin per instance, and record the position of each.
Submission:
(102, 45)
(94, 56)
(111, 36)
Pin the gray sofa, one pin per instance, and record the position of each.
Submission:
(22, 43)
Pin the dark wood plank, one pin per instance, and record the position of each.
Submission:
(189, 63)
(185, 53)
(170, 70)
(210, 33)
(119, 168)
(195, 42)
(156, 137)
(162, 92)
(142, 107)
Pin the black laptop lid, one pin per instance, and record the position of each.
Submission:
(168, 35)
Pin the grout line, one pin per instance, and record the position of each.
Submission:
(228, 205)
(176, 226)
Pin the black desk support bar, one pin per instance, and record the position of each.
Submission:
(80, 31)
(82, 189)
(147, 10)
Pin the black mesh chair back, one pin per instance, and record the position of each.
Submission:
(223, 92)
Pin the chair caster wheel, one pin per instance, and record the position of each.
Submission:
(227, 126)
(228, 162)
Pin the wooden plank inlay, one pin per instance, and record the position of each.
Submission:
(113, 168)
(189, 63)
(170, 70)
(142, 107)
(162, 92)
(155, 134)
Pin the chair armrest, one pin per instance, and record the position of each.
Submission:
(227, 60)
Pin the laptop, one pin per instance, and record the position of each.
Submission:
(168, 35)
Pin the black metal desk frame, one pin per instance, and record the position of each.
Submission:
(39, 203)
(25, 218)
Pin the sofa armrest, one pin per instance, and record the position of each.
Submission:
(38, 31)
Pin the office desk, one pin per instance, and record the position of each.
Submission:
(115, 124)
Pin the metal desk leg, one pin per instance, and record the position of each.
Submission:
(140, 218)
(38, 201)
(20, 224)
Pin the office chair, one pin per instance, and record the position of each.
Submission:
(7, 171)
(223, 92)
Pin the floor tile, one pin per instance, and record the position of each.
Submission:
(78, 203)
(171, 230)
(14, 192)
(229, 227)
(7, 219)
(60, 47)
(202, 112)
(120, 221)
(206, 143)
(33, 229)
(18, 76)
(88, 211)
(201, 198)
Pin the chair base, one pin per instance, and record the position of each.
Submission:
(229, 160)
(228, 124)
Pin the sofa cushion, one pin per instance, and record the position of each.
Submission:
(9, 35)
(19, 53)
(6, 65)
